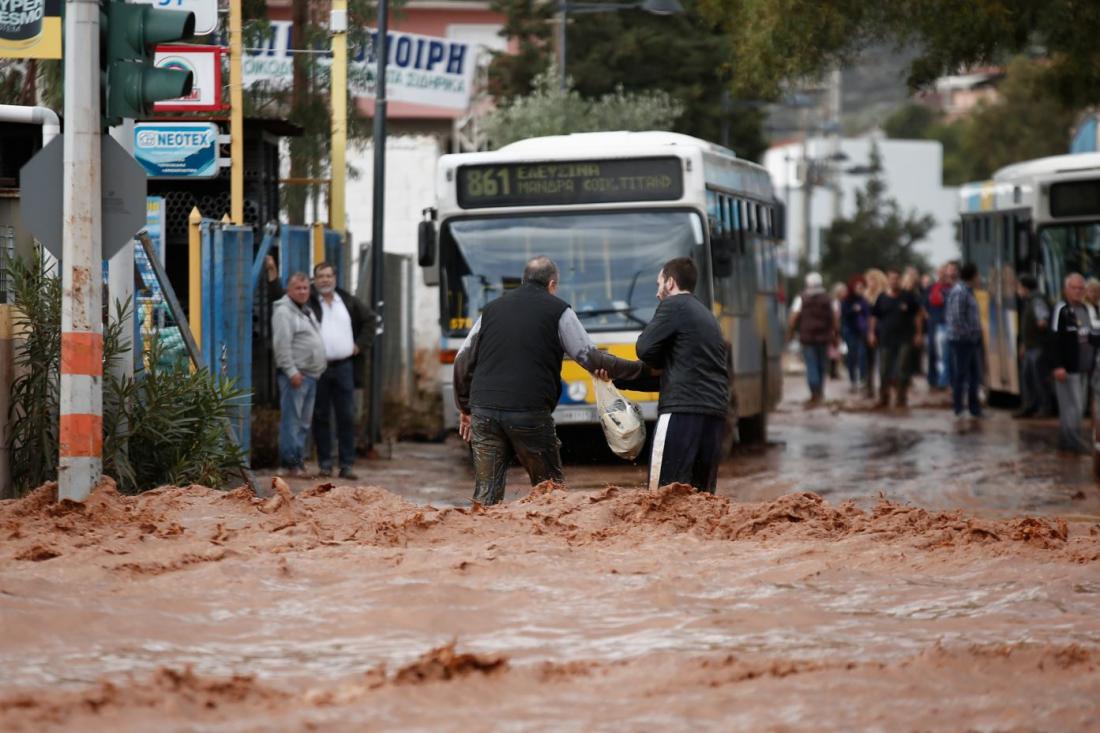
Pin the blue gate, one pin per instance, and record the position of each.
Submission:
(295, 251)
(228, 289)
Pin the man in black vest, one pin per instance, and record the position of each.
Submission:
(507, 379)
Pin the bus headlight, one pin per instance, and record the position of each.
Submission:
(577, 391)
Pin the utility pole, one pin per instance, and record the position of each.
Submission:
(807, 189)
(236, 115)
(835, 152)
(81, 422)
(563, 12)
(378, 219)
(338, 26)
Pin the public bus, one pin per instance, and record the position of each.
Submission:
(1040, 217)
(610, 208)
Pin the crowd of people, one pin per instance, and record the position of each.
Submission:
(877, 321)
(899, 324)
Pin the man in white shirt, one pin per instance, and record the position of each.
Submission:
(346, 329)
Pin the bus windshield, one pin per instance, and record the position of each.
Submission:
(1069, 248)
(608, 262)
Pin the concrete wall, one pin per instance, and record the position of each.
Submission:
(410, 187)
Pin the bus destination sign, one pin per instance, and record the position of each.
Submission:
(562, 183)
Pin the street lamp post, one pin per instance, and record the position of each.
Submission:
(378, 219)
(654, 7)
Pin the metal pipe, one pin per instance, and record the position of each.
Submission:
(378, 219)
(51, 125)
(80, 454)
(337, 191)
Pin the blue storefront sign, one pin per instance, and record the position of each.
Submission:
(177, 149)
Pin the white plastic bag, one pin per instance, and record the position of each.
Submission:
(622, 421)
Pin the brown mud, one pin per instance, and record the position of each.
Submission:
(352, 608)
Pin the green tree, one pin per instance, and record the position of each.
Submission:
(682, 54)
(551, 110)
(773, 42)
(879, 234)
(31, 82)
(1027, 120)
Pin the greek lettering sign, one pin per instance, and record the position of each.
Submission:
(177, 149)
(428, 70)
(570, 182)
(205, 63)
(206, 12)
(30, 29)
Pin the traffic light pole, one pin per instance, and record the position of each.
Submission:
(80, 435)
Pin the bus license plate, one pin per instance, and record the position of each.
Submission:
(563, 417)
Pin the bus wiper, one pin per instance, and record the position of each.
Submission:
(627, 312)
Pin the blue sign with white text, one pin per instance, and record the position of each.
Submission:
(177, 149)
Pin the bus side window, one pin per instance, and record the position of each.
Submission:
(739, 225)
(1023, 244)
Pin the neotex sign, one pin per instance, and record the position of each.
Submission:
(177, 149)
(30, 29)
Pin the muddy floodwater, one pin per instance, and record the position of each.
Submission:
(866, 572)
(845, 451)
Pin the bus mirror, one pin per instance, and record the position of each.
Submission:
(722, 257)
(780, 221)
(425, 235)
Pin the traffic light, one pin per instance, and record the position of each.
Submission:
(129, 35)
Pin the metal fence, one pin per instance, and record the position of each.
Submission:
(228, 292)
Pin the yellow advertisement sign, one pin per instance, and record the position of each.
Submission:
(30, 29)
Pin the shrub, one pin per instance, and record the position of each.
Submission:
(164, 425)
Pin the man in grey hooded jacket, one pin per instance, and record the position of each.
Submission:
(300, 359)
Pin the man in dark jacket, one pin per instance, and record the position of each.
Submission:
(347, 328)
(507, 379)
(1071, 354)
(815, 323)
(684, 341)
(896, 320)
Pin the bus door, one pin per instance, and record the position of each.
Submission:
(1006, 304)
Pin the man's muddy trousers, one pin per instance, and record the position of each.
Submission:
(498, 435)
